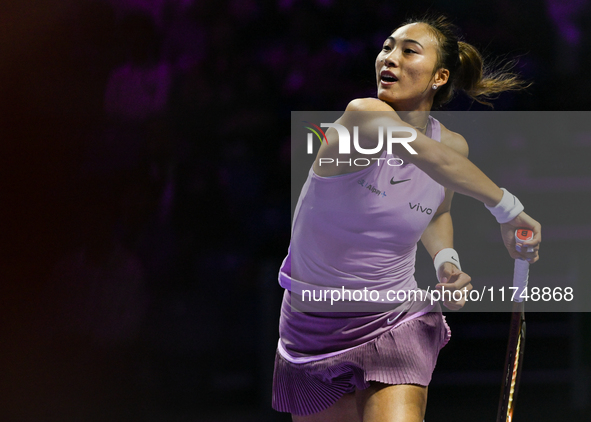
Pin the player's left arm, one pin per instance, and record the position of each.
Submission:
(439, 233)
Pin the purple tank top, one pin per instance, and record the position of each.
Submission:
(358, 230)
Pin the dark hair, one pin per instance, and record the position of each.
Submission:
(467, 71)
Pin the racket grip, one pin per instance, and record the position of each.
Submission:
(521, 269)
(520, 277)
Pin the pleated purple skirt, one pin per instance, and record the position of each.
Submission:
(406, 354)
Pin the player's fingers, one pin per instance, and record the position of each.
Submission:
(464, 288)
(454, 277)
(458, 285)
(527, 252)
(462, 280)
(530, 252)
(455, 305)
(527, 247)
(537, 229)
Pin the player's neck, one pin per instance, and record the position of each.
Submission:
(418, 119)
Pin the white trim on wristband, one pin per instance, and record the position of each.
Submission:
(446, 255)
(507, 209)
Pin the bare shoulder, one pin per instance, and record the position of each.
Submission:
(368, 104)
(454, 140)
(380, 110)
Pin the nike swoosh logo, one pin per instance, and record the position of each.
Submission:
(394, 182)
(454, 259)
(396, 318)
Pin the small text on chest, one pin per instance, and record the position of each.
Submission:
(418, 208)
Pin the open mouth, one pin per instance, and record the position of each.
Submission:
(388, 77)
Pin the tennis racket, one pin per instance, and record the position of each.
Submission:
(516, 345)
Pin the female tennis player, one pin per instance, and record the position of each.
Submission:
(358, 227)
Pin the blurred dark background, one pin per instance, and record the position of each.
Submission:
(145, 200)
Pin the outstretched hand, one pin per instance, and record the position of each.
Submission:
(530, 249)
(453, 279)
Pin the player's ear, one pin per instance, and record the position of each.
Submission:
(441, 76)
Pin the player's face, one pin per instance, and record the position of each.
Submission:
(405, 68)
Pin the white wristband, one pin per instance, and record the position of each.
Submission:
(507, 209)
(446, 255)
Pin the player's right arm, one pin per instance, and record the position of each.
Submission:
(442, 163)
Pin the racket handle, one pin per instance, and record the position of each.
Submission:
(520, 277)
(521, 269)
